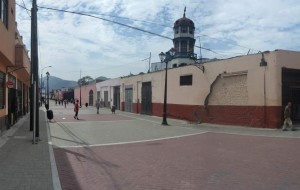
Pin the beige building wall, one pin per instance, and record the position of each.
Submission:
(238, 87)
(7, 37)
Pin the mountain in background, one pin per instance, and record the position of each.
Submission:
(58, 83)
(101, 78)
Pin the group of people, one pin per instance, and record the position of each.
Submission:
(76, 108)
(62, 102)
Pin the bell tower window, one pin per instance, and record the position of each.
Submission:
(191, 30)
(176, 30)
(177, 46)
(183, 29)
(183, 46)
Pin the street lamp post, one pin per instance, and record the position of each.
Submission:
(42, 84)
(166, 57)
(48, 74)
(80, 83)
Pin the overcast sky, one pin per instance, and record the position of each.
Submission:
(70, 42)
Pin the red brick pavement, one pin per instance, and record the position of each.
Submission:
(91, 117)
(208, 162)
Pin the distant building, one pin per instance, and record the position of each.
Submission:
(86, 94)
(108, 93)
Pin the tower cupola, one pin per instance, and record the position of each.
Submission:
(184, 40)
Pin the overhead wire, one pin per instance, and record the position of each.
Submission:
(126, 25)
(115, 22)
(26, 8)
(132, 27)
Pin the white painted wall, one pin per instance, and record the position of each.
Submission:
(107, 85)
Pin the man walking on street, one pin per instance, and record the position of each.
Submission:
(76, 109)
(287, 117)
(98, 106)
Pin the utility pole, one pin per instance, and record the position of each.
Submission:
(34, 102)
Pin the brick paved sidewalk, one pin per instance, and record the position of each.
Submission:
(24, 165)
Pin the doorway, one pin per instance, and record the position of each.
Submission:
(128, 99)
(91, 98)
(12, 106)
(117, 97)
(146, 98)
(291, 92)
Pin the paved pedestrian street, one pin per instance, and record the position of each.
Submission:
(125, 151)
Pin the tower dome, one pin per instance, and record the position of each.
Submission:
(184, 22)
(183, 40)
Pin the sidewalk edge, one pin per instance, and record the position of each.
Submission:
(55, 176)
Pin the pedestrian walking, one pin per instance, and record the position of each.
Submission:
(76, 109)
(98, 106)
(287, 118)
(65, 101)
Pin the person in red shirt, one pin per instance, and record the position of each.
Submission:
(76, 109)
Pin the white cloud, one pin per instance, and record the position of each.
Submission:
(71, 43)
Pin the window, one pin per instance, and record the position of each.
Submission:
(4, 12)
(191, 30)
(183, 46)
(186, 80)
(177, 46)
(2, 90)
(183, 29)
(176, 30)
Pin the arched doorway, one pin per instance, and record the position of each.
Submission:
(91, 98)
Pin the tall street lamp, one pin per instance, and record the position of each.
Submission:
(48, 74)
(42, 84)
(166, 57)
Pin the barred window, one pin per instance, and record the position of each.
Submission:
(186, 80)
(4, 12)
(2, 90)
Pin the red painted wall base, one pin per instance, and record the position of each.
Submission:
(252, 116)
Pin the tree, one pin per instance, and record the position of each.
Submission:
(84, 80)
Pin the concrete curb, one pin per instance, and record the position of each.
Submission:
(55, 176)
